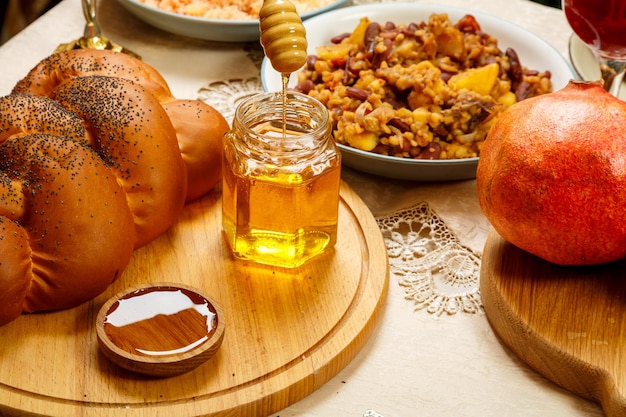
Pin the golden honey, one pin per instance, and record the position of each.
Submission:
(281, 180)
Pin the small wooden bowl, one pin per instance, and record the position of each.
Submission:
(160, 329)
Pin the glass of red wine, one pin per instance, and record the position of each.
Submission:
(601, 24)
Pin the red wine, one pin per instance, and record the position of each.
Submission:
(601, 24)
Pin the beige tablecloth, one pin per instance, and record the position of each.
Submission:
(420, 361)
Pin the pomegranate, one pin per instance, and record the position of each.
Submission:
(551, 177)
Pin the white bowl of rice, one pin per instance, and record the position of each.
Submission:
(215, 20)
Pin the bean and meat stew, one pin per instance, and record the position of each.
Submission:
(428, 90)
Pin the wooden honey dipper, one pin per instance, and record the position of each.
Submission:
(283, 36)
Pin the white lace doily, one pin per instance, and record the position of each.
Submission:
(225, 96)
(438, 273)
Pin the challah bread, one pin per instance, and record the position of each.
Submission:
(96, 159)
(133, 134)
(199, 127)
(74, 236)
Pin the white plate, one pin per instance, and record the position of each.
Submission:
(584, 62)
(534, 53)
(222, 30)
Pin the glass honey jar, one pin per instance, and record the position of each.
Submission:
(281, 180)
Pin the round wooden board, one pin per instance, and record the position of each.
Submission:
(566, 322)
(287, 333)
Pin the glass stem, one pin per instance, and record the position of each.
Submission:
(614, 76)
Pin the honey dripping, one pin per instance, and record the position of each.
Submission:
(284, 42)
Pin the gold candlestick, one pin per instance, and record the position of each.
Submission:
(92, 37)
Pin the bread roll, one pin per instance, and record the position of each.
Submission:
(199, 126)
(200, 130)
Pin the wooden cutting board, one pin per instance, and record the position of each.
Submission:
(568, 323)
(286, 333)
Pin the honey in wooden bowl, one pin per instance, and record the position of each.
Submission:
(160, 329)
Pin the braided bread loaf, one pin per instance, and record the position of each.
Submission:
(97, 158)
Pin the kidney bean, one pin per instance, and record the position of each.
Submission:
(395, 103)
(339, 38)
(445, 76)
(406, 145)
(414, 152)
(310, 62)
(409, 30)
(347, 71)
(352, 68)
(399, 124)
(305, 86)
(522, 91)
(390, 34)
(357, 93)
(372, 31)
(432, 151)
(380, 57)
(442, 131)
(516, 71)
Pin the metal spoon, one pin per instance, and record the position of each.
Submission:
(92, 37)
